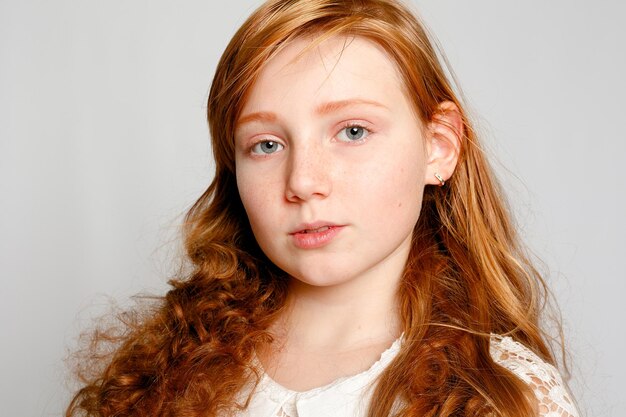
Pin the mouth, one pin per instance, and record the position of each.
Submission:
(317, 230)
(316, 227)
(315, 235)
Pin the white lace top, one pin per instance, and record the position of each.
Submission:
(350, 396)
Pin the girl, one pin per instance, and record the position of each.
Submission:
(353, 255)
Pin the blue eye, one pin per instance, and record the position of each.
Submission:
(353, 133)
(266, 147)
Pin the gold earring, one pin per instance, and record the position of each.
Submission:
(439, 178)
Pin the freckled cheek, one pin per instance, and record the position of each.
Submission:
(259, 196)
(256, 203)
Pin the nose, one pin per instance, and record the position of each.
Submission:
(308, 174)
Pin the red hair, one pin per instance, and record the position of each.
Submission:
(467, 275)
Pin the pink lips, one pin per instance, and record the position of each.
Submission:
(314, 235)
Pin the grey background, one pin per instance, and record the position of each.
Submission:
(103, 145)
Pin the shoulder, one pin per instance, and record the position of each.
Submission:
(544, 379)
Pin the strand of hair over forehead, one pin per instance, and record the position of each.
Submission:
(353, 11)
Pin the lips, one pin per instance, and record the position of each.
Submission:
(315, 235)
(319, 229)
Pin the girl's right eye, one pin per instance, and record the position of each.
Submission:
(266, 147)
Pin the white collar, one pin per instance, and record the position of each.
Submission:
(346, 396)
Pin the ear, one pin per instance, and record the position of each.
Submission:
(443, 142)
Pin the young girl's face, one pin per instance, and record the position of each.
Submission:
(330, 163)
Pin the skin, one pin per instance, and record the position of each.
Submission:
(329, 136)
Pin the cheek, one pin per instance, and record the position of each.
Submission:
(248, 194)
(392, 190)
(258, 196)
(403, 192)
(396, 177)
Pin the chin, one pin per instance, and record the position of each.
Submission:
(321, 278)
(319, 281)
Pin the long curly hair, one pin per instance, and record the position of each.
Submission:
(467, 275)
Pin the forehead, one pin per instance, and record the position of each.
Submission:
(339, 68)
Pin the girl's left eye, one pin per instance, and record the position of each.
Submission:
(353, 133)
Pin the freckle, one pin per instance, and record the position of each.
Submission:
(400, 204)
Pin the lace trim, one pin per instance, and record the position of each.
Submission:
(543, 378)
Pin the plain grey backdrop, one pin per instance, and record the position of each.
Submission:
(103, 145)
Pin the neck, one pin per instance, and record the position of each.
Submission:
(350, 315)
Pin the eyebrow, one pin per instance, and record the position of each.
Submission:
(332, 106)
(322, 109)
(261, 116)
